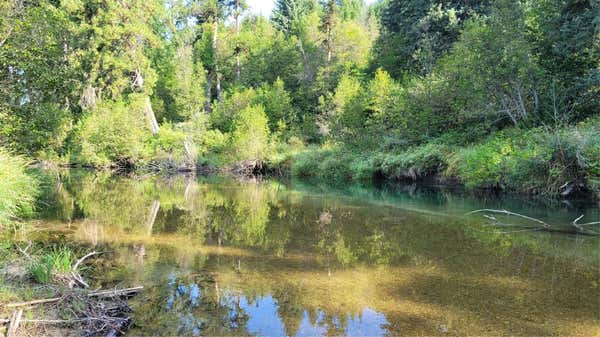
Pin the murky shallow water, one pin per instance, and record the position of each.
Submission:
(230, 258)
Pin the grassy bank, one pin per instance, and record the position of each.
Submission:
(564, 161)
(18, 188)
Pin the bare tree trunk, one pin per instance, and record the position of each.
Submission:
(520, 103)
(508, 112)
(151, 117)
(215, 40)
(238, 67)
(307, 72)
(208, 93)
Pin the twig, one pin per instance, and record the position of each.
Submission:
(505, 212)
(103, 293)
(585, 224)
(34, 302)
(61, 321)
(24, 251)
(76, 265)
(545, 226)
(76, 277)
(14, 323)
(116, 292)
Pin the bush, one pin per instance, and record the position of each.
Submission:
(306, 163)
(35, 130)
(169, 142)
(17, 188)
(281, 157)
(335, 165)
(537, 161)
(113, 132)
(250, 136)
(417, 162)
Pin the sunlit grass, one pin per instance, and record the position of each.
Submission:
(57, 261)
(17, 188)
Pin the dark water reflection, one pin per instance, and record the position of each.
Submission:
(230, 258)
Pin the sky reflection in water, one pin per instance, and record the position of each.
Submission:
(229, 258)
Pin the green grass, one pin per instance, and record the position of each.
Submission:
(18, 189)
(57, 261)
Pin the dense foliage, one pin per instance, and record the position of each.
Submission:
(499, 93)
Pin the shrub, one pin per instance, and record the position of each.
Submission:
(17, 188)
(480, 165)
(114, 131)
(363, 168)
(169, 142)
(35, 129)
(250, 136)
(333, 164)
(306, 163)
(335, 167)
(416, 162)
(537, 161)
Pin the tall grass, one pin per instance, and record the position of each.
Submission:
(17, 188)
(57, 261)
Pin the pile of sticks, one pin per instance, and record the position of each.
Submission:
(98, 313)
(533, 224)
(94, 313)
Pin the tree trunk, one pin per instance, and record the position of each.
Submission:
(307, 71)
(208, 93)
(238, 67)
(215, 40)
(151, 117)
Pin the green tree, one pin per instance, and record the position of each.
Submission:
(40, 77)
(250, 136)
(491, 70)
(416, 33)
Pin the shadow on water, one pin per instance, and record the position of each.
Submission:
(225, 257)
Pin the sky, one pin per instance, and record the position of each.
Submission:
(261, 6)
(265, 6)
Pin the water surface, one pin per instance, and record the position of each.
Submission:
(225, 257)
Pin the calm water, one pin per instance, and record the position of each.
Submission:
(224, 257)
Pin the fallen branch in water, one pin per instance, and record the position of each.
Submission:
(544, 226)
(75, 274)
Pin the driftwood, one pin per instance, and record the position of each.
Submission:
(14, 323)
(576, 228)
(74, 269)
(102, 293)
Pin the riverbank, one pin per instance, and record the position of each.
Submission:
(563, 162)
(558, 163)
